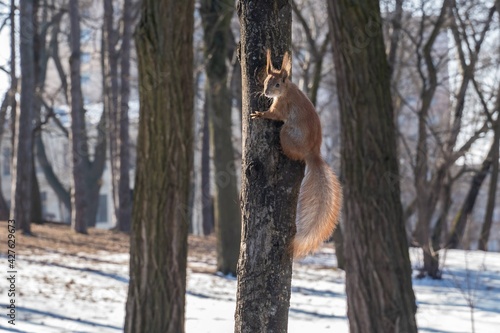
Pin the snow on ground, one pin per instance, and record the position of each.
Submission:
(87, 293)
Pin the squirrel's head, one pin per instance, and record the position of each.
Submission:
(277, 81)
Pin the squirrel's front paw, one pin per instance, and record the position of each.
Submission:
(256, 114)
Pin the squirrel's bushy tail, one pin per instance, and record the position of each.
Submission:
(319, 206)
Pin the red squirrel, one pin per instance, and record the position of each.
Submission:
(320, 197)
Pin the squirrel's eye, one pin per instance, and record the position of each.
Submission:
(277, 85)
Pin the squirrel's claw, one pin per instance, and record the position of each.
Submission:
(256, 114)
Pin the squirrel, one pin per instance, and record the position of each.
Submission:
(320, 196)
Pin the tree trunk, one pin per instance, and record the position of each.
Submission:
(431, 259)
(158, 252)
(490, 208)
(94, 177)
(338, 239)
(23, 162)
(10, 99)
(78, 139)
(4, 208)
(124, 199)
(92, 192)
(13, 72)
(216, 17)
(463, 215)
(270, 181)
(427, 192)
(36, 199)
(378, 273)
(206, 196)
(111, 91)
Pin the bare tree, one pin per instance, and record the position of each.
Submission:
(216, 16)
(9, 99)
(270, 181)
(422, 92)
(378, 273)
(117, 95)
(48, 41)
(206, 196)
(316, 43)
(22, 162)
(79, 147)
(158, 249)
(110, 37)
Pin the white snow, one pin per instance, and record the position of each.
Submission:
(87, 293)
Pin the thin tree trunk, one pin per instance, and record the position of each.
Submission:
(158, 249)
(378, 273)
(124, 198)
(338, 239)
(427, 192)
(437, 232)
(79, 204)
(4, 208)
(41, 60)
(216, 17)
(206, 196)
(96, 170)
(13, 75)
(270, 181)
(9, 100)
(111, 82)
(22, 162)
(36, 201)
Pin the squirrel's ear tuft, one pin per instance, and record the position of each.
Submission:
(286, 66)
(269, 64)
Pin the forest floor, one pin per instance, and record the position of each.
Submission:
(66, 282)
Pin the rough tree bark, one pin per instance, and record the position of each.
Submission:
(378, 273)
(22, 162)
(216, 17)
(158, 249)
(270, 181)
(78, 140)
